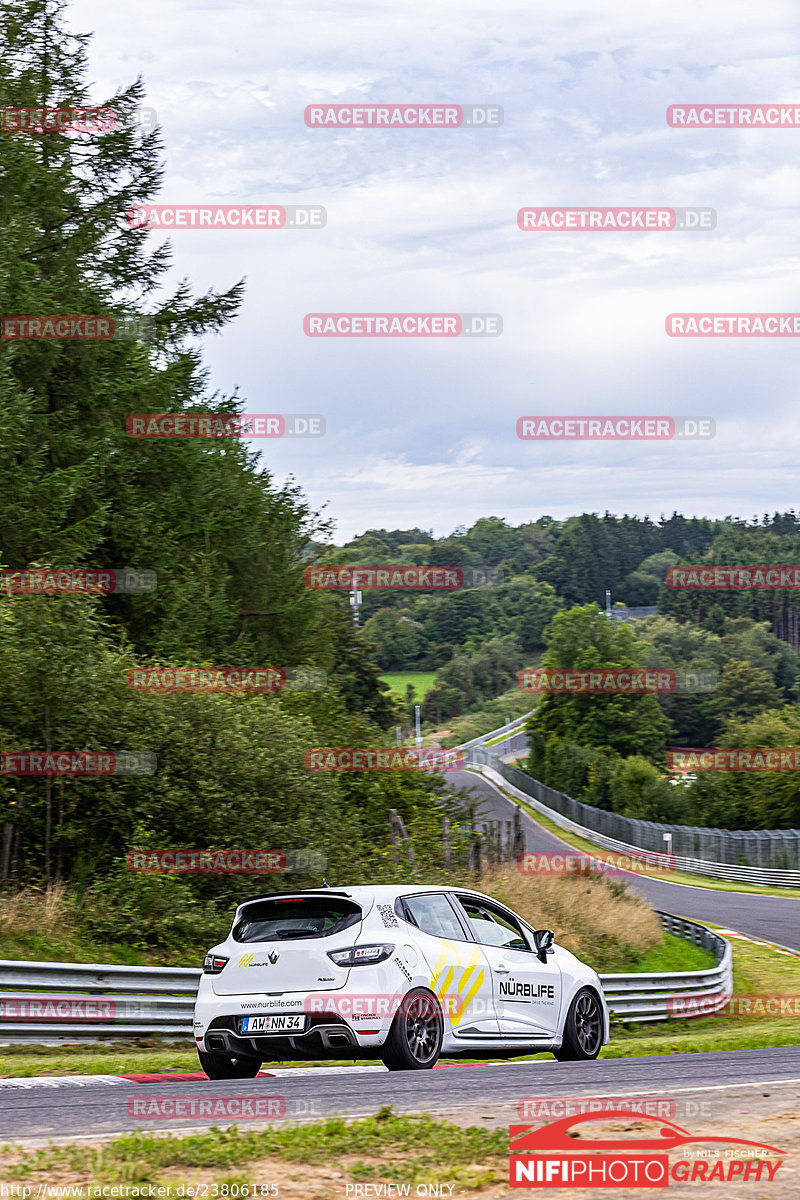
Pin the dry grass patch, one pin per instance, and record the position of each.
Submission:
(45, 925)
(597, 919)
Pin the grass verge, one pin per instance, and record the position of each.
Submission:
(311, 1160)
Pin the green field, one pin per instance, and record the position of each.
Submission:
(421, 681)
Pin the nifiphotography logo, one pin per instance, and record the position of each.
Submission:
(550, 1157)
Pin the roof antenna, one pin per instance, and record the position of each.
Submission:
(325, 882)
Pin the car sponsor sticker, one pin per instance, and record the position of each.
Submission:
(457, 978)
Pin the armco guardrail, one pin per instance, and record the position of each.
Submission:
(46, 1000)
(643, 997)
(90, 1002)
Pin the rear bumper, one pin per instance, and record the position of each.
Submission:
(344, 1024)
(324, 1039)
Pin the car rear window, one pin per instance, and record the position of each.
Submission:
(304, 917)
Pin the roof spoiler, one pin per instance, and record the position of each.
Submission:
(298, 892)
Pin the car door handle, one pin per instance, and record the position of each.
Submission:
(502, 969)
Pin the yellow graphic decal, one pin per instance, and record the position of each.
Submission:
(245, 960)
(457, 977)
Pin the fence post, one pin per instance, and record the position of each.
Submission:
(519, 836)
(488, 834)
(399, 830)
(5, 858)
(446, 841)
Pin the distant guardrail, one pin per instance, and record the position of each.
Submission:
(649, 834)
(512, 726)
(92, 1002)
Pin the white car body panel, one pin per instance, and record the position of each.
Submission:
(494, 999)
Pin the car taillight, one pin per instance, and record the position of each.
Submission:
(354, 956)
(213, 964)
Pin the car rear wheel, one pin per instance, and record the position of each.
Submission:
(583, 1028)
(228, 1066)
(415, 1038)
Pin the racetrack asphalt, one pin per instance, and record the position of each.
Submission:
(41, 1109)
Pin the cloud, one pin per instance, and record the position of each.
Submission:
(422, 431)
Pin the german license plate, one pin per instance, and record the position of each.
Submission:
(275, 1023)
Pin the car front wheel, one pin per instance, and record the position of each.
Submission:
(415, 1038)
(228, 1066)
(583, 1029)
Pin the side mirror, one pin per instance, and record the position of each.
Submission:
(544, 941)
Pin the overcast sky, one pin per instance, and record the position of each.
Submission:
(422, 432)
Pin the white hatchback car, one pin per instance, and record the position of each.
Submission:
(403, 974)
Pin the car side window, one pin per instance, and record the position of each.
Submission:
(491, 926)
(433, 913)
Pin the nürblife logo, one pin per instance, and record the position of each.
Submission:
(550, 1156)
(528, 991)
(247, 960)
